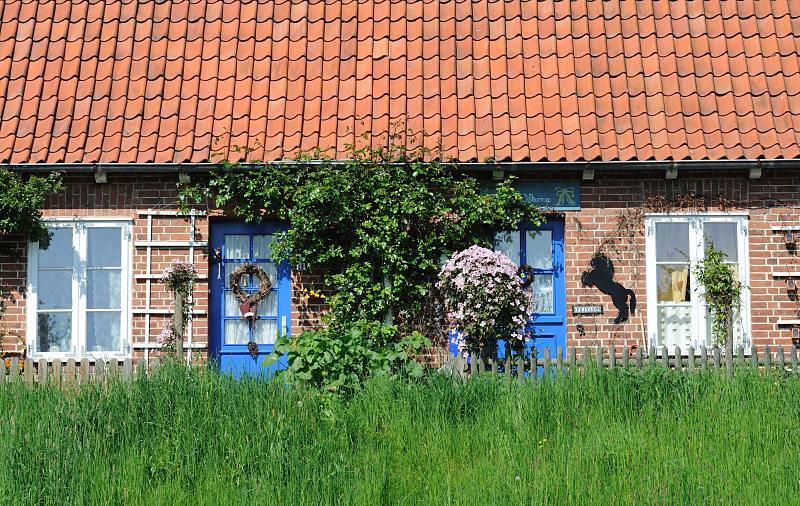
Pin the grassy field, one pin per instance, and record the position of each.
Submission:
(619, 437)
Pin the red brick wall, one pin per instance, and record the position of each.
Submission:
(772, 201)
(128, 197)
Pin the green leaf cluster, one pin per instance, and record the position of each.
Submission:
(338, 358)
(21, 202)
(722, 291)
(378, 223)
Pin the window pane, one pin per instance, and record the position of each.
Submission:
(55, 289)
(542, 293)
(105, 247)
(673, 283)
(674, 326)
(103, 331)
(539, 248)
(229, 268)
(104, 289)
(231, 305)
(269, 306)
(59, 252)
(262, 246)
(237, 332)
(507, 242)
(54, 332)
(723, 236)
(265, 331)
(237, 247)
(672, 242)
(734, 329)
(271, 270)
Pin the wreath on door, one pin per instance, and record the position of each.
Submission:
(249, 301)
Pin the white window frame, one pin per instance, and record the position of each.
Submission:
(79, 310)
(698, 303)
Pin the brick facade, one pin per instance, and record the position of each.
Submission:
(771, 201)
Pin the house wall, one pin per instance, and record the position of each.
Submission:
(773, 200)
(131, 197)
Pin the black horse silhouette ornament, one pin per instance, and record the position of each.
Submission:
(601, 275)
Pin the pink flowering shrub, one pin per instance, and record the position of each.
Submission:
(179, 276)
(483, 294)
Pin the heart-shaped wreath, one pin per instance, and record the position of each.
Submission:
(249, 302)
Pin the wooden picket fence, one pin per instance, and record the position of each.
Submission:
(72, 372)
(577, 359)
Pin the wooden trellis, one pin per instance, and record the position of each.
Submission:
(149, 277)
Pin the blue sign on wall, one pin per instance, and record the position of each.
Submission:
(556, 195)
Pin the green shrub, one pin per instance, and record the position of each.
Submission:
(340, 357)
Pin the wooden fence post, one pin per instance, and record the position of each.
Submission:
(69, 373)
(560, 360)
(573, 360)
(546, 367)
(28, 371)
(56, 377)
(13, 374)
(178, 319)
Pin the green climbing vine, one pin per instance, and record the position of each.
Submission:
(722, 291)
(378, 223)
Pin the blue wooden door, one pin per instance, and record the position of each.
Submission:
(230, 336)
(542, 248)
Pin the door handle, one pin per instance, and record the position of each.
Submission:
(284, 326)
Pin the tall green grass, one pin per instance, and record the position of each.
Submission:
(607, 437)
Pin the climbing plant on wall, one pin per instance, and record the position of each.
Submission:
(721, 289)
(21, 202)
(377, 222)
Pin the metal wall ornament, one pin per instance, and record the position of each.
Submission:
(249, 301)
(601, 276)
(525, 272)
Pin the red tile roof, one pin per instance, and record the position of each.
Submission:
(143, 81)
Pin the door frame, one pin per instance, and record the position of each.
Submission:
(219, 228)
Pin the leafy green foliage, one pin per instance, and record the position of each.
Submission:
(21, 201)
(722, 291)
(378, 222)
(340, 357)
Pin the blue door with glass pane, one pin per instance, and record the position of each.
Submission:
(542, 248)
(240, 344)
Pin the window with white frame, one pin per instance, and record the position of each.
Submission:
(678, 314)
(78, 294)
